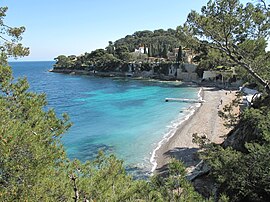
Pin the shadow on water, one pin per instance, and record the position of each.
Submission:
(89, 151)
(137, 173)
(128, 104)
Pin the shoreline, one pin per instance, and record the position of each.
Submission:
(177, 142)
(113, 74)
(204, 121)
(190, 111)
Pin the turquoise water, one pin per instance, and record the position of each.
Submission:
(124, 116)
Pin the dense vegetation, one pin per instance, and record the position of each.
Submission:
(240, 166)
(235, 34)
(34, 166)
(33, 163)
(138, 47)
(157, 42)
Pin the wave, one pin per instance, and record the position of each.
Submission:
(173, 128)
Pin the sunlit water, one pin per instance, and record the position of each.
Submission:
(125, 116)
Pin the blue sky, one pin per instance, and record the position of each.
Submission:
(75, 27)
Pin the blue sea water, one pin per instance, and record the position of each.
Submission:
(125, 116)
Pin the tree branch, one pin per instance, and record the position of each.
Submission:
(5, 39)
(75, 188)
(253, 73)
(264, 4)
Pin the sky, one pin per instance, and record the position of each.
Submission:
(68, 27)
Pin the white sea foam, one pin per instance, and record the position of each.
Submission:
(172, 130)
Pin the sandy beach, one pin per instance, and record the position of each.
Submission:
(205, 121)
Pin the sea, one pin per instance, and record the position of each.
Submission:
(123, 116)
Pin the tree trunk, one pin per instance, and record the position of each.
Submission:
(257, 77)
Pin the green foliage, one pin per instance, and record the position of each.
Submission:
(101, 60)
(209, 58)
(34, 166)
(186, 36)
(110, 48)
(243, 174)
(30, 153)
(105, 179)
(164, 51)
(243, 177)
(174, 187)
(257, 121)
(240, 32)
(122, 51)
(30, 150)
(33, 162)
(230, 113)
(63, 61)
(10, 37)
(180, 55)
(151, 39)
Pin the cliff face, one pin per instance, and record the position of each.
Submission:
(162, 71)
(240, 135)
(240, 167)
(252, 126)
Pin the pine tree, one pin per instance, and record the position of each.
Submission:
(240, 32)
(31, 156)
(33, 162)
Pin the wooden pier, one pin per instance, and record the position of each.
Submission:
(183, 100)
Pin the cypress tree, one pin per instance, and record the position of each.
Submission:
(180, 55)
(150, 48)
(164, 51)
(144, 49)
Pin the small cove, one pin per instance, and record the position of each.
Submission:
(126, 117)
